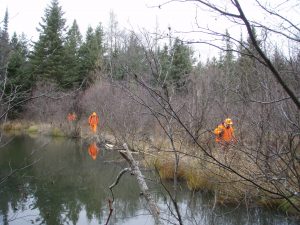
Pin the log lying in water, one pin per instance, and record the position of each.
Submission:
(153, 208)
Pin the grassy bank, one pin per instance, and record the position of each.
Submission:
(202, 174)
(51, 129)
(67, 130)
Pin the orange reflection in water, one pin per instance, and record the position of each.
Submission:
(93, 150)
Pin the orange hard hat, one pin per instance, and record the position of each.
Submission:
(228, 121)
(94, 114)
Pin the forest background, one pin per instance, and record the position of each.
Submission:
(149, 90)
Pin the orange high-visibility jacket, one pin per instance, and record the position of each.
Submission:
(93, 120)
(71, 117)
(224, 134)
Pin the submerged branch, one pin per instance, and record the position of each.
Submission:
(117, 181)
(154, 210)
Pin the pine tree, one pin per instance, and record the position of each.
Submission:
(72, 46)
(48, 55)
(18, 60)
(248, 67)
(86, 56)
(4, 47)
(229, 57)
(181, 63)
(100, 50)
(175, 63)
(19, 77)
(134, 55)
(227, 80)
(227, 60)
(165, 64)
(91, 52)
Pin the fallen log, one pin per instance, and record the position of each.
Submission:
(153, 208)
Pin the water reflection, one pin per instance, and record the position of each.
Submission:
(93, 150)
(64, 186)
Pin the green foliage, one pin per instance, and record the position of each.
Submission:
(57, 55)
(56, 132)
(91, 52)
(72, 76)
(227, 57)
(227, 64)
(19, 79)
(48, 55)
(134, 53)
(61, 57)
(4, 46)
(33, 129)
(181, 63)
(247, 66)
(175, 63)
(115, 63)
(165, 63)
(129, 58)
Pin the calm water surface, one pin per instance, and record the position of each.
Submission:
(56, 181)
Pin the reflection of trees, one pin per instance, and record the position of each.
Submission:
(12, 197)
(199, 208)
(13, 194)
(64, 182)
(67, 181)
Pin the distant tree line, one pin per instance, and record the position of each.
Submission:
(60, 55)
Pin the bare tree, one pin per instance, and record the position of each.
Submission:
(234, 13)
(176, 115)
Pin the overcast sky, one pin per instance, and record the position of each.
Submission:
(25, 15)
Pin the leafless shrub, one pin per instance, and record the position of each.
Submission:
(52, 106)
(118, 112)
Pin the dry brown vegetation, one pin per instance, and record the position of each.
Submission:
(262, 166)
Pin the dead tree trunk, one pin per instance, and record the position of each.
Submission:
(153, 208)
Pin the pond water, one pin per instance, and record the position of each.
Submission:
(49, 181)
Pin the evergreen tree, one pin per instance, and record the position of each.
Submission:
(283, 65)
(4, 47)
(228, 79)
(91, 52)
(247, 66)
(86, 55)
(134, 55)
(181, 64)
(18, 74)
(18, 61)
(165, 64)
(100, 50)
(229, 57)
(227, 62)
(48, 55)
(72, 46)
(129, 57)
(175, 63)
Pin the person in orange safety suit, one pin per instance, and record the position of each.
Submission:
(225, 132)
(93, 121)
(71, 117)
